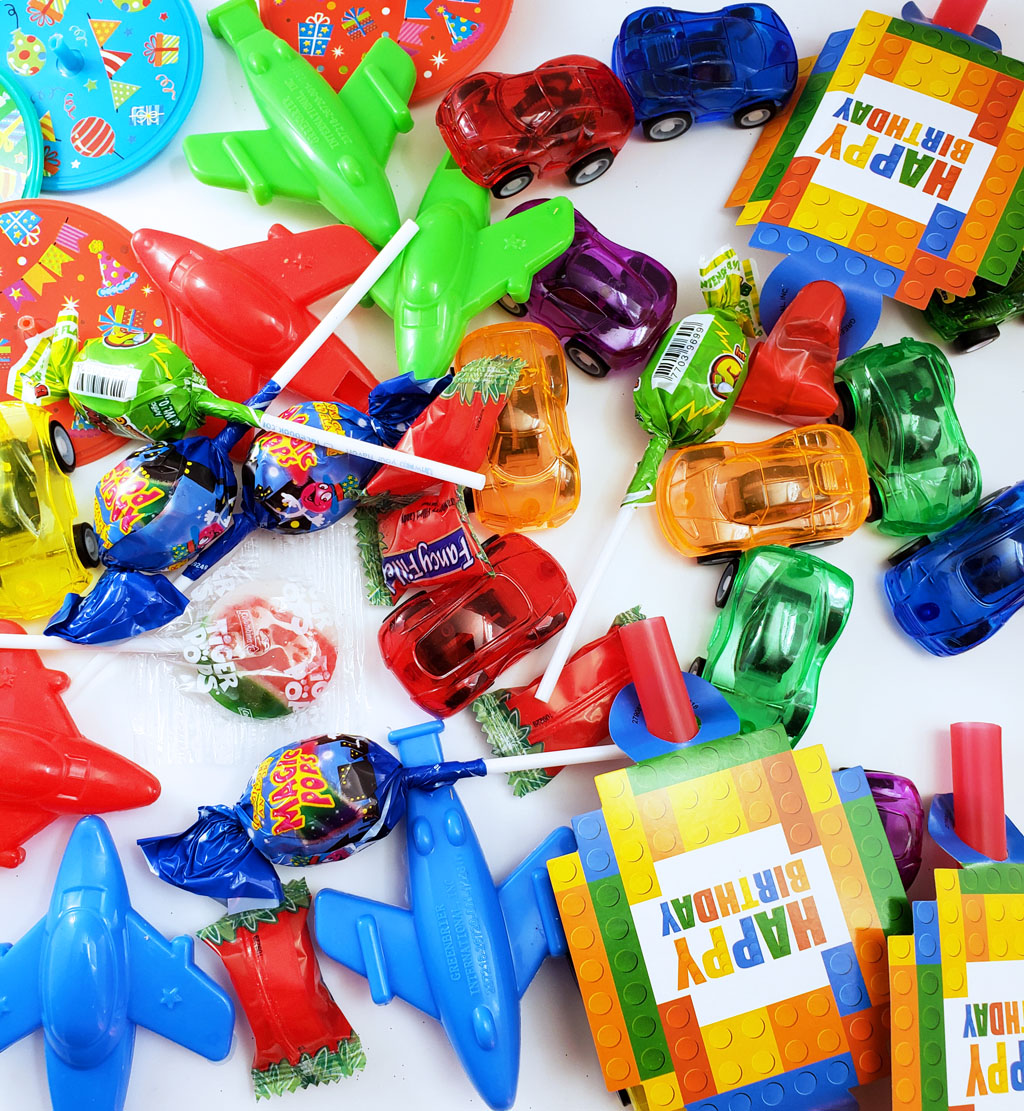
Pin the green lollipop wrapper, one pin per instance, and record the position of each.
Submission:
(687, 390)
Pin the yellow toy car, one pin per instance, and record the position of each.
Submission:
(533, 478)
(44, 554)
(808, 486)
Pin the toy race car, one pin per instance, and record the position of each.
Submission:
(683, 66)
(955, 590)
(533, 476)
(972, 322)
(808, 486)
(44, 554)
(897, 400)
(447, 646)
(899, 807)
(609, 305)
(570, 115)
(782, 613)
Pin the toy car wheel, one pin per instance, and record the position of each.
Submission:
(512, 306)
(87, 546)
(698, 665)
(725, 583)
(975, 339)
(845, 413)
(513, 182)
(757, 115)
(876, 510)
(63, 448)
(712, 558)
(585, 359)
(908, 550)
(818, 543)
(590, 168)
(669, 126)
(991, 497)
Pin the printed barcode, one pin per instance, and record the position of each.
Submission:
(676, 357)
(108, 382)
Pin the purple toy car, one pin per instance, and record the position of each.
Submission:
(609, 305)
(899, 807)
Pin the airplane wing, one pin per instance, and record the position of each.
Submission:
(253, 161)
(169, 995)
(18, 822)
(377, 94)
(308, 265)
(528, 904)
(511, 251)
(22, 1009)
(29, 691)
(379, 942)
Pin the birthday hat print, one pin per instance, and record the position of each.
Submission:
(462, 31)
(113, 60)
(103, 29)
(116, 277)
(121, 91)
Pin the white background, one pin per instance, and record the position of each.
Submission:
(883, 701)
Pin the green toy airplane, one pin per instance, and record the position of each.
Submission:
(319, 145)
(460, 263)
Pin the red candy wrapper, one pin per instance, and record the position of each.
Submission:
(418, 544)
(302, 1038)
(515, 723)
(456, 427)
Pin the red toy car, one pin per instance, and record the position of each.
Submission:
(570, 115)
(449, 645)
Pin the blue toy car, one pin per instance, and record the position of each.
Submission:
(684, 66)
(954, 591)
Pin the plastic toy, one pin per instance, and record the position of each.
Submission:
(729, 938)
(446, 42)
(449, 645)
(570, 115)
(54, 251)
(782, 613)
(679, 66)
(660, 688)
(21, 155)
(533, 476)
(319, 146)
(44, 553)
(850, 194)
(958, 16)
(608, 304)
(243, 311)
(464, 952)
(682, 397)
(50, 768)
(92, 970)
(955, 590)
(898, 403)
(971, 322)
(899, 807)
(792, 371)
(302, 1037)
(110, 89)
(461, 264)
(808, 486)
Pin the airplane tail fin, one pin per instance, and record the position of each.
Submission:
(234, 21)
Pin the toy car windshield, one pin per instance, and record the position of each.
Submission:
(480, 622)
(994, 571)
(19, 499)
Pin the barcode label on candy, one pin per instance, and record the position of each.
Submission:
(680, 351)
(112, 383)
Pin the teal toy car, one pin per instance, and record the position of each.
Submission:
(782, 613)
(897, 400)
(972, 322)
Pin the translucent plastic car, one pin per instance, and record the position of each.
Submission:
(955, 590)
(678, 67)
(808, 486)
(533, 477)
(782, 613)
(44, 554)
(972, 322)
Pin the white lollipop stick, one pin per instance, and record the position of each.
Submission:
(55, 644)
(598, 754)
(570, 634)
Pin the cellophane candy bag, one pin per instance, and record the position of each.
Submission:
(302, 1037)
(576, 716)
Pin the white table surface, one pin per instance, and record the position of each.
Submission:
(883, 702)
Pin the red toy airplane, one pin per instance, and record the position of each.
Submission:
(49, 768)
(243, 311)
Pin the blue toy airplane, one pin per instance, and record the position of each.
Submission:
(466, 951)
(91, 970)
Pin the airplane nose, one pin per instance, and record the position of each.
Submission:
(90, 859)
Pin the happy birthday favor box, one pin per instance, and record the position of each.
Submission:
(727, 914)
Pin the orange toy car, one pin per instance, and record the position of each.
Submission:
(807, 486)
(533, 478)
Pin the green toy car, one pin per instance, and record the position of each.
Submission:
(782, 612)
(897, 400)
(972, 322)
